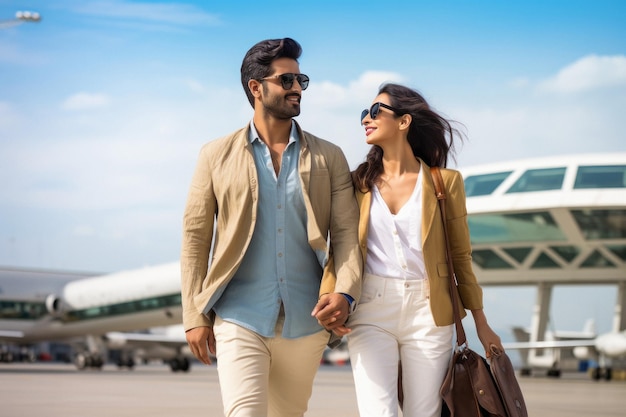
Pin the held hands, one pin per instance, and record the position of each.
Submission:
(331, 312)
(201, 340)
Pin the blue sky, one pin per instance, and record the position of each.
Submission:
(104, 104)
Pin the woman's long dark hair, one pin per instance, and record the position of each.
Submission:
(431, 136)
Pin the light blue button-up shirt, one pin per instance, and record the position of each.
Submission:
(279, 265)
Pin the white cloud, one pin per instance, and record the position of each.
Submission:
(86, 101)
(332, 111)
(591, 72)
(360, 91)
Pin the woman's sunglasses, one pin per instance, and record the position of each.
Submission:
(375, 110)
(286, 80)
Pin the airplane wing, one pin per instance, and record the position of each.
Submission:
(121, 339)
(170, 347)
(11, 335)
(546, 344)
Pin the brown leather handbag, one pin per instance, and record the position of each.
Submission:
(473, 387)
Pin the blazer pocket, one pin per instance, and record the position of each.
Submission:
(442, 270)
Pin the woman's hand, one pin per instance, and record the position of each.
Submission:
(487, 336)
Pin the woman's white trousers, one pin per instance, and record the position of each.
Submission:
(393, 322)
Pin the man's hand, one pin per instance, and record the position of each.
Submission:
(201, 340)
(331, 311)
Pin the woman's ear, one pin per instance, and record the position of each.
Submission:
(405, 121)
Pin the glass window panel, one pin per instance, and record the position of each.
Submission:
(539, 180)
(476, 185)
(567, 253)
(488, 259)
(602, 176)
(544, 261)
(514, 227)
(601, 224)
(519, 254)
(597, 260)
(619, 250)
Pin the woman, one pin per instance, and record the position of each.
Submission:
(405, 312)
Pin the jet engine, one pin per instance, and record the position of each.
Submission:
(54, 305)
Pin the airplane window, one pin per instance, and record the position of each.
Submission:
(602, 176)
(476, 185)
(514, 227)
(146, 304)
(21, 310)
(539, 180)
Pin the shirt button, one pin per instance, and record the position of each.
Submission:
(280, 254)
(280, 230)
(279, 206)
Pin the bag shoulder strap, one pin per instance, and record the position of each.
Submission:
(440, 193)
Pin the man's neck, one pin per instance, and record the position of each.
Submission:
(272, 131)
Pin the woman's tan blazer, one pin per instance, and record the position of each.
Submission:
(434, 245)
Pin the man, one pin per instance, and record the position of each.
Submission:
(264, 201)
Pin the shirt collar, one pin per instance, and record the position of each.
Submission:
(253, 135)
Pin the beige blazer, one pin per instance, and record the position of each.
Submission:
(220, 217)
(433, 244)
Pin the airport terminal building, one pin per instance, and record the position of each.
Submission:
(550, 221)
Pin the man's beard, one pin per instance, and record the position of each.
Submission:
(280, 108)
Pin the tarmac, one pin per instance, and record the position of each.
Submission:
(59, 390)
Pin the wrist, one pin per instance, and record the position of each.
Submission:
(351, 303)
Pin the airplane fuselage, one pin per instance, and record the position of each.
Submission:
(124, 301)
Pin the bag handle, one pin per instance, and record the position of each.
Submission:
(440, 193)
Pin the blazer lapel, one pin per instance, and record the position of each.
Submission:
(429, 201)
(365, 201)
(305, 166)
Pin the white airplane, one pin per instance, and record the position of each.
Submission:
(553, 360)
(93, 312)
(602, 350)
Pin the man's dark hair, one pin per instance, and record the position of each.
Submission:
(258, 60)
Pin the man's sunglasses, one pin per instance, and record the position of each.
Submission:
(375, 110)
(286, 80)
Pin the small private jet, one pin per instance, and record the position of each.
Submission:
(599, 350)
